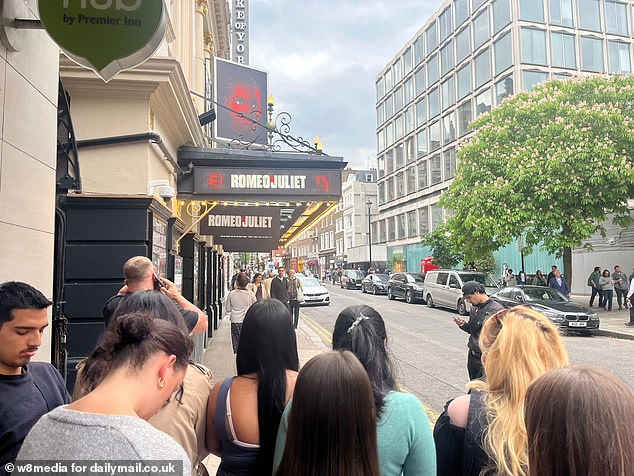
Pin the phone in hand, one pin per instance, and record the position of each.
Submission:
(158, 282)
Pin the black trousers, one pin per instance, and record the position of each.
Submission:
(595, 292)
(621, 296)
(474, 365)
(293, 306)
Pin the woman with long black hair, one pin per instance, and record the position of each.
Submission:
(244, 411)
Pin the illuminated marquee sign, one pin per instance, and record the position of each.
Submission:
(237, 183)
(246, 229)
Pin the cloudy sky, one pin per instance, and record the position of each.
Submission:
(323, 56)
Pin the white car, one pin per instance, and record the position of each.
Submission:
(314, 292)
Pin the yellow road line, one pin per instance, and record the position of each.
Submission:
(326, 335)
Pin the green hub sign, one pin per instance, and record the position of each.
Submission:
(107, 36)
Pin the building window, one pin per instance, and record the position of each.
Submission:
(464, 118)
(399, 157)
(419, 49)
(561, 12)
(431, 37)
(483, 102)
(389, 161)
(481, 29)
(503, 50)
(434, 136)
(533, 46)
(407, 60)
(397, 71)
(400, 185)
(389, 107)
(420, 80)
(421, 111)
(501, 14)
(448, 93)
(449, 160)
(532, 10)
(590, 15)
(464, 80)
(482, 66)
(463, 44)
(532, 78)
(436, 217)
(421, 140)
(399, 128)
(433, 103)
(423, 220)
(563, 50)
(381, 139)
(388, 80)
(620, 61)
(409, 90)
(410, 175)
(461, 9)
(592, 54)
(445, 22)
(369, 178)
(398, 99)
(389, 135)
(422, 175)
(435, 167)
(390, 189)
(446, 58)
(412, 227)
(391, 229)
(381, 166)
(432, 69)
(410, 153)
(380, 114)
(401, 226)
(448, 128)
(381, 192)
(477, 4)
(409, 120)
(503, 89)
(380, 88)
(616, 17)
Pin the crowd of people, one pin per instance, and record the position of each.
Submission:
(139, 397)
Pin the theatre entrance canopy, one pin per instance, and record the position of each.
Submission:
(261, 199)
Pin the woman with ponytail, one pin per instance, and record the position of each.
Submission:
(404, 437)
(144, 363)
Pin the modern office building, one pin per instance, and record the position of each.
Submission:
(465, 60)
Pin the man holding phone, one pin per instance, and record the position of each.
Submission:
(482, 306)
(140, 275)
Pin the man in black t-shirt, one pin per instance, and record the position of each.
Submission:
(27, 390)
(140, 275)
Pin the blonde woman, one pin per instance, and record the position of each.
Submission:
(484, 432)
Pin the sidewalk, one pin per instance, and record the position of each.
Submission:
(221, 360)
(612, 322)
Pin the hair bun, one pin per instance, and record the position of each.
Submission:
(135, 327)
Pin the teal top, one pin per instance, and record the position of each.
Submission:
(404, 437)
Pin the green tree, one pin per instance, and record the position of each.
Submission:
(549, 165)
(444, 251)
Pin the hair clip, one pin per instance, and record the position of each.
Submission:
(356, 322)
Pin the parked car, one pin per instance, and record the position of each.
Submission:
(443, 288)
(566, 315)
(375, 283)
(314, 292)
(408, 286)
(351, 278)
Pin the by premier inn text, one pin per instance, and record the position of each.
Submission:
(240, 221)
(267, 181)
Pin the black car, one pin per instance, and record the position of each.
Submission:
(351, 278)
(566, 315)
(375, 283)
(408, 286)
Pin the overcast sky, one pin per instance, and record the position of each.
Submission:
(323, 56)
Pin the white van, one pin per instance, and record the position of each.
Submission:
(443, 288)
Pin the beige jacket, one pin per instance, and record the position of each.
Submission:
(265, 292)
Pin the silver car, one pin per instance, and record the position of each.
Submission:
(314, 292)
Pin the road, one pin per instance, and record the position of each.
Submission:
(430, 351)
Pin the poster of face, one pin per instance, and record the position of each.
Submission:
(241, 92)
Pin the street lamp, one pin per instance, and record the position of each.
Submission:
(369, 204)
